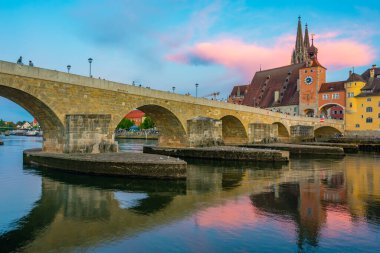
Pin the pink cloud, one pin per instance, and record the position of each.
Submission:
(245, 58)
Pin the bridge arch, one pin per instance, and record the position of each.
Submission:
(52, 126)
(283, 132)
(324, 110)
(326, 131)
(172, 131)
(233, 130)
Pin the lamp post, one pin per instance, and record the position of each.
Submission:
(90, 61)
(68, 68)
(173, 88)
(196, 90)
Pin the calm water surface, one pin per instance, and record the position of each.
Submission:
(314, 205)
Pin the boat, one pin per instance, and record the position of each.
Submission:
(7, 133)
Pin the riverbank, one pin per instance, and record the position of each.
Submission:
(110, 164)
(222, 153)
(298, 150)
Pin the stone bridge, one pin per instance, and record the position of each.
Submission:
(80, 114)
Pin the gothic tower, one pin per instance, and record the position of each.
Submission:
(300, 51)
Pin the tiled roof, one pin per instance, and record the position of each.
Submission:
(135, 114)
(372, 88)
(265, 83)
(333, 86)
(355, 78)
(366, 75)
(242, 88)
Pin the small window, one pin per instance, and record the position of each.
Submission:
(369, 120)
(325, 96)
(362, 105)
(357, 126)
(335, 96)
(305, 71)
(378, 104)
(362, 116)
(350, 105)
(369, 99)
(341, 112)
(311, 70)
(368, 109)
(350, 94)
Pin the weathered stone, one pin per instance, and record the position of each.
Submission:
(263, 133)
(204, 132)
(51, 95)
(301, 133)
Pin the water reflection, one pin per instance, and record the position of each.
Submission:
(307, 205)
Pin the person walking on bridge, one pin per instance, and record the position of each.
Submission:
(19, 61)
(31, 64)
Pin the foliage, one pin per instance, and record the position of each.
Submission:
(147, 123)
(125, 124)
(7, 124)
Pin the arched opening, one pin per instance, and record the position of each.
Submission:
(282, 130)
(309, 112)
(135, 130)
(326, 131)
(233, 131)
(332, 111)
(51, 125)
(171, 131)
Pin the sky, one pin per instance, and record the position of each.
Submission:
(166, 43)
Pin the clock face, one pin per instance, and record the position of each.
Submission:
(308, 80)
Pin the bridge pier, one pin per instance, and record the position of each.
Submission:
(89, 133)
(301, 132)
(261, 132)
(204, 132)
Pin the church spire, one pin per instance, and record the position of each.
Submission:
(299, 39)
(300, 51)
(307, 41)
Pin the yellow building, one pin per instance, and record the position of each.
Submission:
(363, 103)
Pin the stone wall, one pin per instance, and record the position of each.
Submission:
(262, 133)
(301, 133)
(88, 133)
(204, 132)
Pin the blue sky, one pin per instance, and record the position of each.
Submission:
(162, 44)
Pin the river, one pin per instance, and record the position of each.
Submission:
(309, 205)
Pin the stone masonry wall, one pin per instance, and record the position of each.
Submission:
(204, 132)
(88, 133)
(261, 132)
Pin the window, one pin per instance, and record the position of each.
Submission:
(368, 99)
(369, 120)
(357, 126)
(350, 105)
(378, 116)
(305, 71)
(362, 116)
(335, 96)
(325, 96)
(378, 104)
(350, 94)
(311, 70)
(368, 109)
(341, 112)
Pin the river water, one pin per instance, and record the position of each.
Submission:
(309, 205)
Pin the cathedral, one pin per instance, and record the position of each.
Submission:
(291, 89)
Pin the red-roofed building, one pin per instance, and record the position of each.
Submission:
(332, 100)
(237, 94)
(291, 89)
(136, 116)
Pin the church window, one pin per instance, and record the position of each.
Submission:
(357, 125)
(368, 109)
(369, 120)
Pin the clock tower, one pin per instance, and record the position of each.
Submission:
(311, 77)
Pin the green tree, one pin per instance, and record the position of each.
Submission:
(147, 123)
(125, 124)
(2, 123)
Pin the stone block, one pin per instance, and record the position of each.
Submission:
(301, 133)
(204, 132)
(262, 133)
